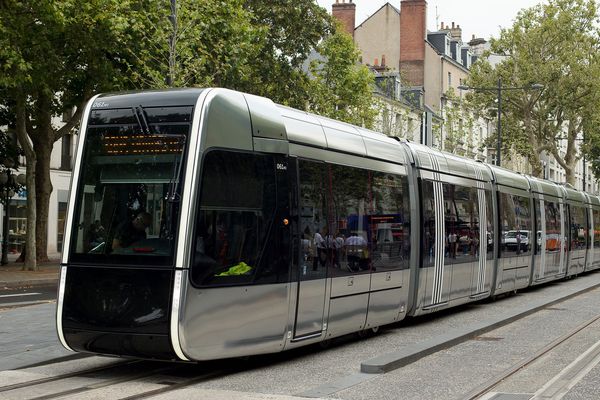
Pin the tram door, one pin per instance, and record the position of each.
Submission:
(311, 266)
(437, 267)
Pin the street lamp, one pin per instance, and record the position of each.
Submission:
(499, 89)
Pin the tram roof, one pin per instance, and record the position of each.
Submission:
(313, 130)
(148, 98)
(574, 195)
(592, 199)
(509, 178)
(545, 187)
(427, 158)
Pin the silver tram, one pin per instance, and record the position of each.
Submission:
(206, 224)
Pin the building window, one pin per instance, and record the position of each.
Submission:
(65, 160)
(60, 227)
(17, 225)
(449, 79)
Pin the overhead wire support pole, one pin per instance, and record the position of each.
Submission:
(172, 43)
(498, 89)
(499, 144)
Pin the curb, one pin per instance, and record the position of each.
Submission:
(28, 283)
(391, 361)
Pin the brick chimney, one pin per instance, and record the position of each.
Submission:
(346, 14)
(413, 31)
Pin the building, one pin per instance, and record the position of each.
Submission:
(431, 65)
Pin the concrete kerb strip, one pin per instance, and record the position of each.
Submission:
(391, 361)
(29, 283)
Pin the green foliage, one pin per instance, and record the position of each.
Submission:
(64, 50)
(341, 88)
(9, 165)
(256, 46)
(294, 28)
(458, 125)
(556, 45)
(55, 55)
(214, 44)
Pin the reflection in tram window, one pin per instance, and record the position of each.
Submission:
(235, 238)
(538, 227)
(462, 223)
(429, 224)
(516, 225)
(313, 220)
(347, 237)
(596, 217)
(125, 215)
(553, 231)
(579, 234)
(353, 220)
(389, 221)
(489, 225)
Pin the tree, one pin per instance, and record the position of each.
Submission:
(458, 125)
(53, 57)
(341, 88)
(294, 28)
(556, 45)
(255, 46)
(195, 43)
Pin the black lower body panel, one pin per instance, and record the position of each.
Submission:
(118, 311)
(157, 347)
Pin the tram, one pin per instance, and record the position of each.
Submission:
(209, 223)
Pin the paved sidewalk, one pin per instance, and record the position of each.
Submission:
(12, 275)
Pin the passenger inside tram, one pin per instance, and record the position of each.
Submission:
(132, 231)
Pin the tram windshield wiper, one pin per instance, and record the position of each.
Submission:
(173, 197)
(142, 119)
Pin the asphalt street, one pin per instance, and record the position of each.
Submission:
(27, 296)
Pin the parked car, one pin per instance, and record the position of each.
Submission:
(517, 240)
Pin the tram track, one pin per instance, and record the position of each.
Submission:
(487, 386)
(50, 379)
(104, 384)
(171, 377)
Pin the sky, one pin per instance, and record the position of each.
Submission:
(482, 18)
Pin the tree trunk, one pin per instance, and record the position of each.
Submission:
(43, 142)
(43, 191)
(537, 169)
(24, 141)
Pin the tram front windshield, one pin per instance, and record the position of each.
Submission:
(128, 197)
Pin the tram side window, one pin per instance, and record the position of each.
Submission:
(578, 228)
(489, 225)
(389, 221)
(538, 226)
(553, 231)
(347, 238)
(461, 222)
(353, 220)
(596, 218)
(429, 224)
(313, 220)
(516, 224)
(235, 237)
